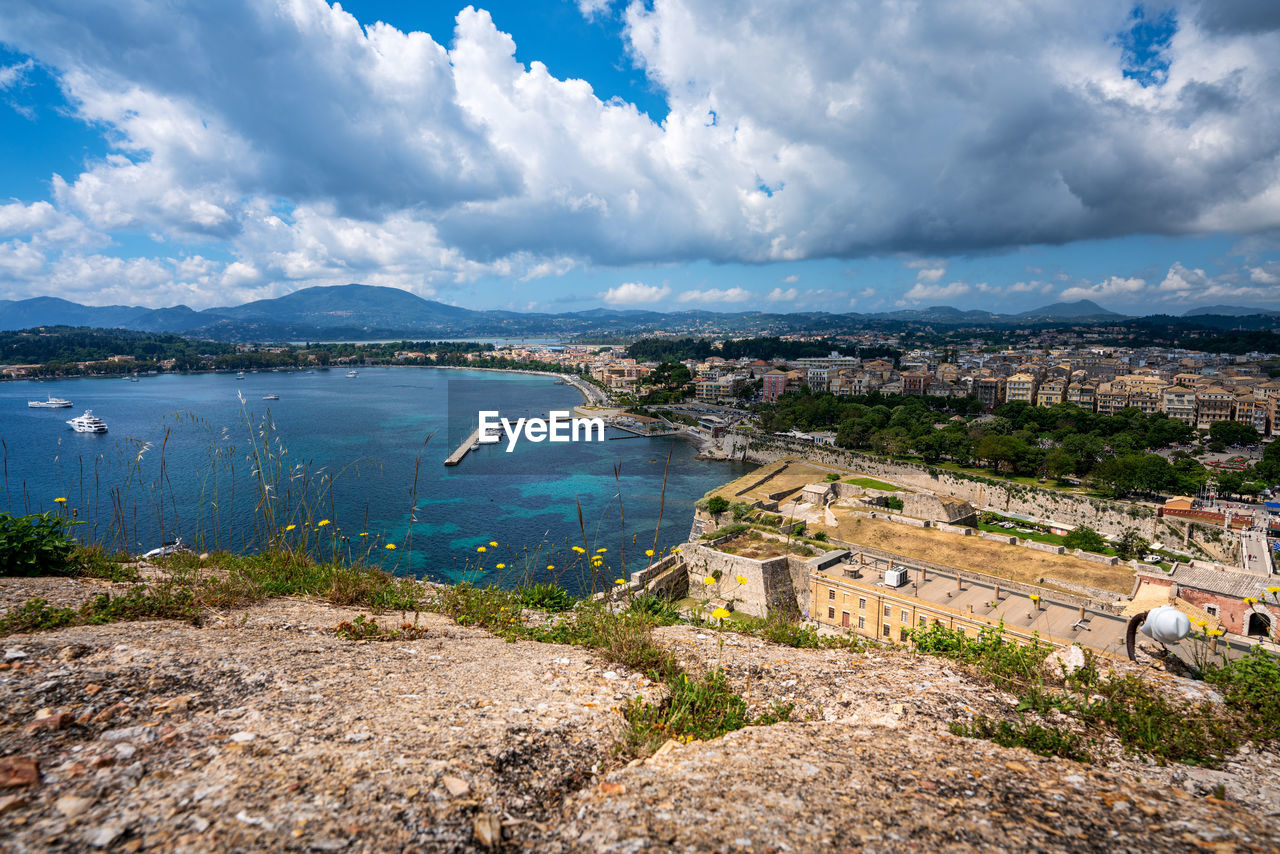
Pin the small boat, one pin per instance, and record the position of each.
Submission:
(240, 375)
(271, 397)
(51, 403)
(133, 379)
(88, 423)
(475, 446)
(353, 373)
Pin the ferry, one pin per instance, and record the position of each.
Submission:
(51, 403)
(88, 423)
(271, 397)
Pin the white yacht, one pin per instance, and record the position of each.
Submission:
(88, 423)
(353, 373)
(51, 403)
(271, 397)
(240, 375)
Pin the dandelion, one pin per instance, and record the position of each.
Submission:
(708, 581)
(601, 551)
(364, 533)
(391, 547)
(720, 614)
(579, 549)
(648, 552)
(619, 581)
(742, 579)
(481, 549)
(1273, 590)
(59, 501)
(675, 549)
(493, 543)
(1249, 600)
(551, 566)
(290, 527)
(322, 523)
(501, 566)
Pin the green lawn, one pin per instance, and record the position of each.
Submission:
(1021, 530)
(872, 483)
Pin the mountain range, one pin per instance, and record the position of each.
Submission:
(363, 312)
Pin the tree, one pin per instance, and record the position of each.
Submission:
(717, 504)
(1131, 544)
(1233, 433)
(1086, 539)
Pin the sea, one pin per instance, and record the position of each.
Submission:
(355, 465)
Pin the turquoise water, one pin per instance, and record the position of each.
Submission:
(355, 446)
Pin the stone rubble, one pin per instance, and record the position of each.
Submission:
(265, 731)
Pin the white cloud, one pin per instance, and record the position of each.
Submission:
(716, 295)
(1266, 275)
(779, 295)
(935, 292)
(1181, 280)
(372, 153)
(1114, 286)
(636, 293)
(790, 280)
(14, 75)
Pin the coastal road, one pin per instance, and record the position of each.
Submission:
(1255, 552)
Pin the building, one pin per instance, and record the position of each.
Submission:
(1110, 399)
(1222, 594)
(1082, 394)
(990, 391)
(1214, 404)
(1180, 404)
(774, 385)
(916, 382)
(885, 597)
(1020, 387)
(1051, 393)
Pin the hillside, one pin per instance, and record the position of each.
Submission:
(262, 730)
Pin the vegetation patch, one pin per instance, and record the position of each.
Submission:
(367, 628)
(872, 483)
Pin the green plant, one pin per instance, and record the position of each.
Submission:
(717, 504)
(698, 709)
(894, 503)
(1250, 685)
(35, 615)
(1046, 741)
(1085, 539)
(546, 596)
(38, 544)
(663, 611)
(366, 628)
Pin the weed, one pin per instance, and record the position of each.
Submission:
(1046, 741)
(1251, 686)
(663, 611)
(138, 604)
(698, 709)
(39, 544)
(546, 596)
(366, 628)
(35, 615)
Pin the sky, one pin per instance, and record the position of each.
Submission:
(560, 155)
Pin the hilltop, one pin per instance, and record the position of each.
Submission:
(262, 730)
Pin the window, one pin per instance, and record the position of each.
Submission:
(831, 594)
(862, 604)
(831, 613)
(905, 618)
(924, 621)
(862, 622)
(886, 631)
(888, 612)
(1211, 610)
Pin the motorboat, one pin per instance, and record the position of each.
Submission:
(240, 375)
(353, 373)
(271, 397)
(88, 423)
(51, 403)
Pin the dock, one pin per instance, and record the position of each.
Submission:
(456, 457)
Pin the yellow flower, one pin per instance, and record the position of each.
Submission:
(742, 579)
(480, 548)
(601, 551)
(1249, 600)
(579, 549)
(720, 614)
(1273, 590)
(364, 533)
(1202, 623)
(675, 548)
(619, 581)
(708, 581)
(322, 523)
(493, 543)
(501, 566)
(59, 501)
(391, 546)
(648, 552)
(551, 566)
(1034, 598)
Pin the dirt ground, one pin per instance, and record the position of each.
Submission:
(785, 474)
(1016, 563)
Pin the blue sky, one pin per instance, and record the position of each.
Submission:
(851, 155)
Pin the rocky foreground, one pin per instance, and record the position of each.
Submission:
(262, 730)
